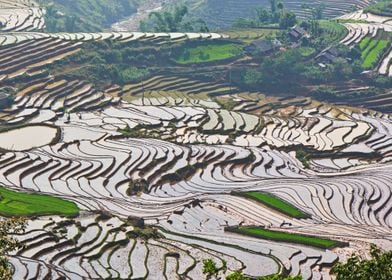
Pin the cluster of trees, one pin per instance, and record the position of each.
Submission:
(107, 62)
(8, 243)
(288, 71)
(276, 14)
(103, 75)
(175, 20)
(377, 267)
(85, 15)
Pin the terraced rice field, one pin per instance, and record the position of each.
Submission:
(365, 29)
(15, 139)
(152, 168)
(217, 15)
(187, 196)
(372, 49)
(18, 15)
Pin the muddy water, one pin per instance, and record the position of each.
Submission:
(27, 138)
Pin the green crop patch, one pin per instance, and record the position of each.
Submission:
(275, 203)
(375, 53)
(372, 50)
(209, 53)
(24, 204)
(364, 43)
(280, 236)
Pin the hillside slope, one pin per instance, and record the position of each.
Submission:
(222, 13)
(86, 15)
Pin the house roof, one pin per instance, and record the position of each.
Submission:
(333, 51)
(330, 54)
(297, 31)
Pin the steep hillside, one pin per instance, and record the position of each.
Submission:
(86, 15)
(219, 13)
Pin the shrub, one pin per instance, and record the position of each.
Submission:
(209, 267)
(378, 267)
(303, 157)
(9, 244)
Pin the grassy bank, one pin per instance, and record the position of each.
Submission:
(280, 236)
(209, 53)
(24, 204)
(276, 204)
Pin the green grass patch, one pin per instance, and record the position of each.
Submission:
(313, 241)
(276, 203)
(24, 204)
(373, 52)
(306, 51)
(370, 45)
(364, 43)
(209, 53)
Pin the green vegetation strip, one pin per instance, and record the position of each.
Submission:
(313, 241)
(209, 53)
(275, 203)
(373, 51)
(24, 204)
(364, 43)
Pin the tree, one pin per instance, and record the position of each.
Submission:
(318, 12)
(8, 244)
(378, 267)
(263, 15)
(287, 20)
(209, 267)
(341, 69)
(274, 8)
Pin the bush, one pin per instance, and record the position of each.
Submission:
(9, 244)
(303, 157)
(378, 267)
(382, 81)
(209, 267)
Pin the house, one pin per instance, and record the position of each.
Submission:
(328, 56)
(297, 33)
(263, 46)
